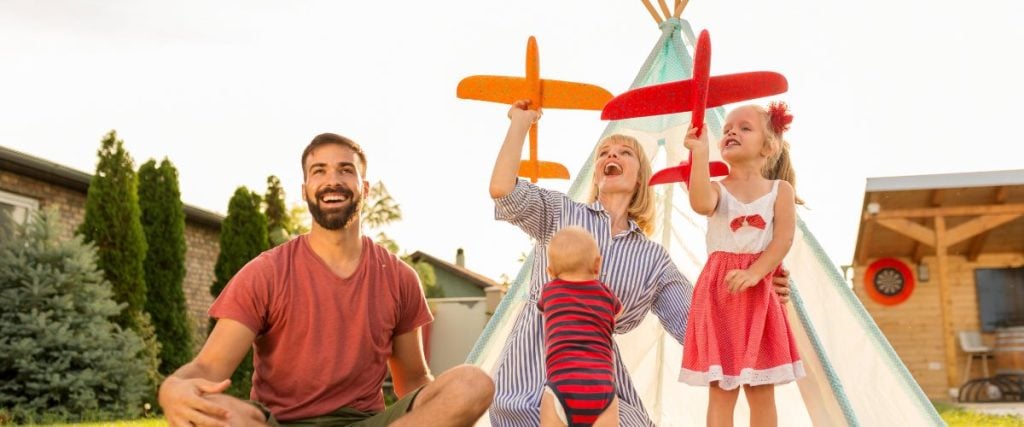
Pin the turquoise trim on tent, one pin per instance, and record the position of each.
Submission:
(879, 340)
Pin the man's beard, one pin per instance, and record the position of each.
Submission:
(337, 219)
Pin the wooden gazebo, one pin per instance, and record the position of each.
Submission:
(946, 225)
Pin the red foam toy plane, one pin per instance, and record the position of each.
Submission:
(696, 95)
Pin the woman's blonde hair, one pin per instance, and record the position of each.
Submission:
(641, 206)
(779, 165)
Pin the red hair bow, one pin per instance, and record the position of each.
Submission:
(779, 117)
(752, 220)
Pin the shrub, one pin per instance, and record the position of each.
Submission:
(61, 355)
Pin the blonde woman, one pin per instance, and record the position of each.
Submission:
(638, 270)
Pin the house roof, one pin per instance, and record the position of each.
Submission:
(983, 213)
(73, 179)
(949, 180)
(470, 276)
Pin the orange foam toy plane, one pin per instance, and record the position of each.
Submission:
(542, 93)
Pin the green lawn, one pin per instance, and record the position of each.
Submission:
(953, 415)
(151, 422)
(959, 417)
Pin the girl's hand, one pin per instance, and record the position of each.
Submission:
(520, 112)
(740, 280)
(695, 143)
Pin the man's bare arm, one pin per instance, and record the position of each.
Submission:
(181, 393)
(409, 369)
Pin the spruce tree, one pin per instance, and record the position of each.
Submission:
(278, 227)
(163, 221)
(62, 358)
(112, 223)
(243, 236)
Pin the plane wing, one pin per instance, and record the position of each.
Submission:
(582, 96)
(501, 89)
(554, 93)
(677, 97)
(730, 88)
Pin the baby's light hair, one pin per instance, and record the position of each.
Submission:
(572, 250)
(641, 206)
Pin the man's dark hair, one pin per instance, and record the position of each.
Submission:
(333, 138)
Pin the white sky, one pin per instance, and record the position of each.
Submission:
(231, 91)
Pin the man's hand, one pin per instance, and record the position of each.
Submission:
(184, 403)
(240, 412)
(740, 280)
(781, 285)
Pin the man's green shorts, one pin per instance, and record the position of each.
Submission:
(348, 417)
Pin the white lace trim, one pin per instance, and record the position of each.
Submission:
(778, 375)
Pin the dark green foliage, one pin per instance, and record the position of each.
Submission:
(61, 356)
(243, 236)
(112, 223)
(278, 227)
(163, 221)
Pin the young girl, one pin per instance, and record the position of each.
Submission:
(738, 333)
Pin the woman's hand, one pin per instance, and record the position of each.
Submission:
(781, 284)
(520, 113)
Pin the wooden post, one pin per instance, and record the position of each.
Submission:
(680, 5)
(664, 8)
(945, 301)
(654, 13)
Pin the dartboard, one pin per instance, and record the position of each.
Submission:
(888, 281)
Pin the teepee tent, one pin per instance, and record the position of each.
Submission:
(853, 375)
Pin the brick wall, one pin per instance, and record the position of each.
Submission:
(914, 327)
(203, 247)
(69, 203)
(202, 241)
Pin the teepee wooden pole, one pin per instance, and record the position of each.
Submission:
(664, 8)
(680, 5)
(654, 13)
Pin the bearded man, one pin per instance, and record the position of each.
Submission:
(325, 314)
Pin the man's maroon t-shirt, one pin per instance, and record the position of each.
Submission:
(322, 341)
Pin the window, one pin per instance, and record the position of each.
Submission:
(16, 208)
(1000, 297)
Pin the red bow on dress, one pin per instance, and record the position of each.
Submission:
(752, 220)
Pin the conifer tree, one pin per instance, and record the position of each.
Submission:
(243, 236)
(278, 227)
(112, 223)
(62, 358)
(163, 222)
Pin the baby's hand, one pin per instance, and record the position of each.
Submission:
(740, 280)
(520, 112)
(695, 143)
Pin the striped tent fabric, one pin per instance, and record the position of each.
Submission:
(853, 378)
